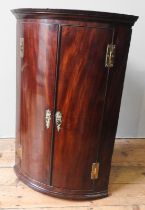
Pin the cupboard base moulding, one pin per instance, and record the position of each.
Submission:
(49, 190)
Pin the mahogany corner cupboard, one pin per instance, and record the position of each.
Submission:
(70, 73)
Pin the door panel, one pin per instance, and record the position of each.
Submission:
(38, 73)
(81, 92)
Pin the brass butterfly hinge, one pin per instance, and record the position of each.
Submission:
(110, 54)
(21, 47)
(19, 152)
(95, 170)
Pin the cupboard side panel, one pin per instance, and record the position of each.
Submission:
(113, 101)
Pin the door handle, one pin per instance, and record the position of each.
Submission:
(58, 120)
(47, 118)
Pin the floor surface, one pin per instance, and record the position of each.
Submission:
(126, 189)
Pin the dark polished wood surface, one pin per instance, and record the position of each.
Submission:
(63, 69)
(38, 80)
(74, 15)
(81, 93)
(122, 38)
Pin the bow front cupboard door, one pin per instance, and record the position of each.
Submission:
(70, 73)
(81, 89)
(37, 67)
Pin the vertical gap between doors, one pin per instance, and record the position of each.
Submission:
(55, 101)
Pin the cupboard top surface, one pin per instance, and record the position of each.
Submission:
(26, 13)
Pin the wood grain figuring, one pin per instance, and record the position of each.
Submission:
(63, 69)
(38, 73)
(83, 70)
